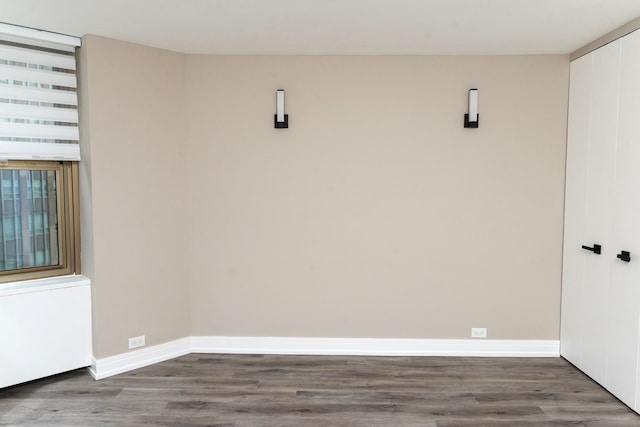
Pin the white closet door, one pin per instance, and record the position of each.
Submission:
(573, 310)
(624, 303)
(599, 207)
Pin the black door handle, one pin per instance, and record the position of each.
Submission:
(596, 249)
(624, 256)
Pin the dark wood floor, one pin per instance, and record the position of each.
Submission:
(234, 390)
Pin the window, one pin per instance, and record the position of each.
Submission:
(38, 226)
(39, 150)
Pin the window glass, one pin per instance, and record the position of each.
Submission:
(29, 229)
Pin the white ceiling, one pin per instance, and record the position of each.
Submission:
(341, 27)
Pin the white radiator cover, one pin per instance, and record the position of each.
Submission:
(45, 328)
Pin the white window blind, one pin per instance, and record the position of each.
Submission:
(38, 95)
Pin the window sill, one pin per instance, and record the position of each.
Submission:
(40, 285)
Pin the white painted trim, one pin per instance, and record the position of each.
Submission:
(376, 347)
(103, 368)
(118, 364)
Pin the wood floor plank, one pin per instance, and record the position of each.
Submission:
(321, 391)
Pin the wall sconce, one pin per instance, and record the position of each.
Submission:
(472, 118)
(281, 120)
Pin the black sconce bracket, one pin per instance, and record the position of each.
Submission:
(469, 124)
(281, 125)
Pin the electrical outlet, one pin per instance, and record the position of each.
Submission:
(478, 332)
(136, 342)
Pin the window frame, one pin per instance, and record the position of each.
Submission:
(68, 206)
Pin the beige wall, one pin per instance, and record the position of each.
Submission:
(133, 193)
(376, 214)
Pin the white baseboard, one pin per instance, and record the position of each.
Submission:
(108, 366)
(376, 347)
(113, 365)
